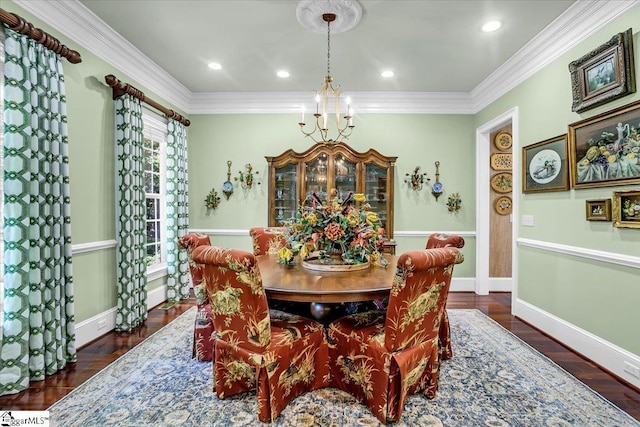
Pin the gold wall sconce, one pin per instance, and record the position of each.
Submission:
(212, 200)
(454, 202)
(247, 178)
(416, 179)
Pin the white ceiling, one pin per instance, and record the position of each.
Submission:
(443, 62)
(432, 46)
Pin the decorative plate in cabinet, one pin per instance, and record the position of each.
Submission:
(504, 205)
(503, 141)
(502, 182)
(501, 161)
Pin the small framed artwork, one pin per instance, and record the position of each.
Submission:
(604, 74)
(503, 141)
(545, 166)
(604, 150)
(626, 209)
(598, 210)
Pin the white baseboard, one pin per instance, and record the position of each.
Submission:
(100, 324)
(462, 284)
(468, 284)
(604, 353)
(500, 284)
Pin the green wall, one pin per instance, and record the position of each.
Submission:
(599, 297)
(416, 139)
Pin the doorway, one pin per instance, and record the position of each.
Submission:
(496, 232)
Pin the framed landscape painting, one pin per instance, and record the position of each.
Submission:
(605, 150)
(544, 166)
(604, 74)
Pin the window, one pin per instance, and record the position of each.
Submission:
(155, 143)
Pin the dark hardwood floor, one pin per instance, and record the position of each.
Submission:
(101, 352)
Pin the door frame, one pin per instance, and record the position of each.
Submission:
(483, 204)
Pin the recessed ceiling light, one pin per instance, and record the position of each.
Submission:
(491, 26)
(386, 74)
(282, 74)
(215, 66)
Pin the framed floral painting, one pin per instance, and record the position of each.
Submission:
(626, 209)
(545, 166)
(605, 150)
(604, 74)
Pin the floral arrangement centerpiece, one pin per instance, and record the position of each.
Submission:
(335, 228)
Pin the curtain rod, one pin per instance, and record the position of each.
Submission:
(20, 25)
(120, 88)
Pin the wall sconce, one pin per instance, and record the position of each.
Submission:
(212, 200)
(416, 179)
(247, 178)
(454, 202)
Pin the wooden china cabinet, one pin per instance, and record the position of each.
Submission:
(294, 177)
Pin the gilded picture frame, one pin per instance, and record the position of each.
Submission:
(545, 166)
(598, 210)
(604, 150)
(604, 74)
(626, 209)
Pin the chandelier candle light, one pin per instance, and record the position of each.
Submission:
(325, 96)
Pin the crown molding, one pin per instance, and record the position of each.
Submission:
(78, 23)
(581, 20)
(363, 102)
(74, 20)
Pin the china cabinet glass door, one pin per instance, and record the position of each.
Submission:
(376, 191)
(344, 176)
(316, 179)
(286, 195)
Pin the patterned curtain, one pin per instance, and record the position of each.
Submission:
(177, 211)
(38, 329)
(130, 215)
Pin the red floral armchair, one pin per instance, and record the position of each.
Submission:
(439, 240)
(279, 358)
(381, 357)
(267, 240)
(203, 334)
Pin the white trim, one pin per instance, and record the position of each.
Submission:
(89, 330)
(500, 284)
(462, 284)
(220, 232)
(79, 248)
(602, 352)
(483, 207)
(157, 271)
(592, 254)
(364, 102)
(428, 233)
(77, 22)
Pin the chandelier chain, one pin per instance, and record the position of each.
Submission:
(328, 48)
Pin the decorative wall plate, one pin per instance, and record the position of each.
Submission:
(503, 141)
(502, 182)
(501, 161)
(504, 205)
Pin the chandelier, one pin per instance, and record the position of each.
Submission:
(327, 99)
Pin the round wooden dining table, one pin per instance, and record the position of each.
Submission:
(324, 288)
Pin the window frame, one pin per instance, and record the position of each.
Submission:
(155, 129)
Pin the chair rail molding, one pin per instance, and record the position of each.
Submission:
(592, 254)
(79, 248)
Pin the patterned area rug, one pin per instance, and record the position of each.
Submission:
(494, 379)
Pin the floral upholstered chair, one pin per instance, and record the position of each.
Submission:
(203, 334)
(439, 240)
(381, 357)
(267, 240)
(280, 358)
